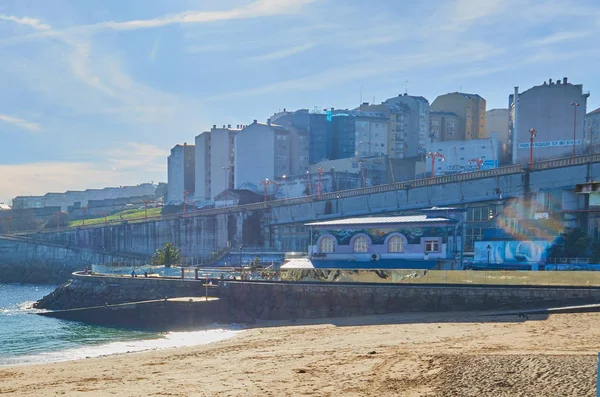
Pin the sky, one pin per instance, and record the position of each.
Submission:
(95, 93)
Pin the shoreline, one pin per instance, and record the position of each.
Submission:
(412, 354)
(166, 340)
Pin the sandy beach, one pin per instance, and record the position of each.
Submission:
(448, 354)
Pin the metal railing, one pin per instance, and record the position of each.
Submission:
(511, 169)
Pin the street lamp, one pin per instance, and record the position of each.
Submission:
(266, 184)
(83, 209)
(58, 214)
(320, 185)
(575, 105)
(488, 253)
(433, 156)
(185, 193)
(477, 161)
(532, 134)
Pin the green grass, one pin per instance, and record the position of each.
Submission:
(126, 215)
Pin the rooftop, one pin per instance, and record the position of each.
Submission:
(382, 220)
(597, 111)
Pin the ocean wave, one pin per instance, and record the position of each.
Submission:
(168, 340)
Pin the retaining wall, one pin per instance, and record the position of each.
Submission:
(280, 301)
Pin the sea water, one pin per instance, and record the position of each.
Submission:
(26, 338)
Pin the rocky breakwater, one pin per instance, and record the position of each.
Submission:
(93, 290)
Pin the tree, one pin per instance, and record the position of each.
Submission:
(574, 243)
(166, 256)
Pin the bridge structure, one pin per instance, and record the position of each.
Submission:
(279, 225)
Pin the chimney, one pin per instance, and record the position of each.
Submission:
(365, 103)
(268, 121)
(332, 109)
(184, 143)
(283, 110)
(565, 81)
(255, 121)
(214, 126)
(557, 81)
(223, 126)
(228, 125)
(550, 81)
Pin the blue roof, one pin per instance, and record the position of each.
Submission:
(382, 220)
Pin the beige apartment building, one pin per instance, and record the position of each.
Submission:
(470, 112)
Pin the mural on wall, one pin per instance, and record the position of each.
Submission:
(510, 251)
(378, 235)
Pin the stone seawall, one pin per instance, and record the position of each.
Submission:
(270, 301)
(178, 314)
(91, 290)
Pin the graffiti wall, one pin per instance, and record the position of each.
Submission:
(510, 251)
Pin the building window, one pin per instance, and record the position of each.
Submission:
(361, 244)
(395, 244)
(327, 245)
(432, 246)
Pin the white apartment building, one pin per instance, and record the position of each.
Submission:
(214, 161)
(556, 110)
(268, 151)
(458, 156)
(181, 170)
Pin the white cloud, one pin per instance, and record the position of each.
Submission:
(284, 53)
(43, 177)
(32, 22)
(560, 37)
(28, 125)
(132, 156)
(256, 9)
(152, 55)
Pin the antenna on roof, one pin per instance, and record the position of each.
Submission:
(406, 87)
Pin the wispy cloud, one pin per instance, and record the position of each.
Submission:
(284, 53)
(27, 125)
(42, 177)
(152, 55)
(364, 69)
(560, 37)
(132, 156)
(32, 22)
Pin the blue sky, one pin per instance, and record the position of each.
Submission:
(95, 93)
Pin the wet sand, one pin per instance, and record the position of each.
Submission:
(449, 354)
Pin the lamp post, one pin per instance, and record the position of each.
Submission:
(185, 193)
(435, 155)
(105, 217)
(489, 248)
(575, 105)
(320, 185)
(146, 202)
(266, 184)
(83, 209)
(477, 161)
(58, 214)
(532, 134)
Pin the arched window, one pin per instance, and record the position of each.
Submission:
(396, 244)
(361, 244)
(327, 244)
